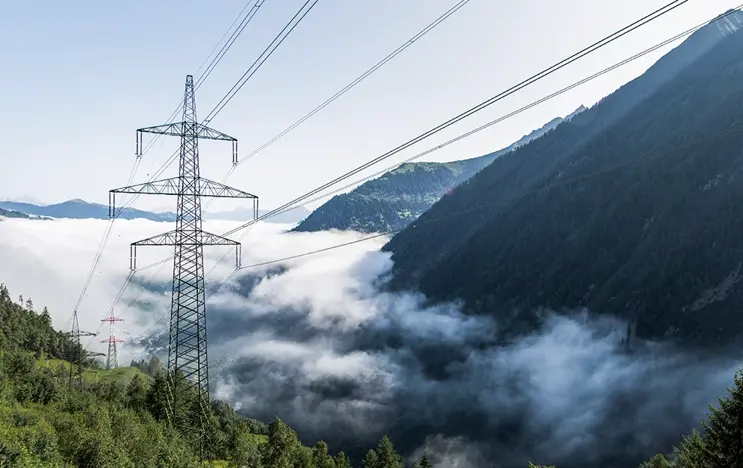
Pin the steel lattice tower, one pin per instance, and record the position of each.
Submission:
(187, 347)
(112, 358)
(78, 355)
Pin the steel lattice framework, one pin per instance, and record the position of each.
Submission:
(77, 355)
(112, 357)
(187, 347)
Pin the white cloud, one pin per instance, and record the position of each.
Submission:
(320, 345)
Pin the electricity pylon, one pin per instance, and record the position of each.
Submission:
(187, 347)
(78, 355)
(112, 358)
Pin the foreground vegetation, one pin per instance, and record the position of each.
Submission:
(117, 419)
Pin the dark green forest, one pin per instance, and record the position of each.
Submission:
(12, 214)
(630, 209)
(393, 200)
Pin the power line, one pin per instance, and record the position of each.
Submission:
(218, 58)
(270, 49)
(479, 107)
(415, 224)
(430, 27)
(592, 48)
(281, 37)
(228, 45)
(464, 135)
(524, 108)
(210, 68)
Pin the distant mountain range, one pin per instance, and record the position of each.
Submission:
(80, 209)
(632, 209)
(398, 197)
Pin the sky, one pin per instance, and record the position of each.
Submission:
(79, 78)
(318, 343)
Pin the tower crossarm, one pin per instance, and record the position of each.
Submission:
(172, 186)
(173, 238)
(155, 187)
(112, 340)
(169, 238)
(181, 129)
(177, 129)
(209, 188)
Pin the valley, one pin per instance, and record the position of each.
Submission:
(567, 300)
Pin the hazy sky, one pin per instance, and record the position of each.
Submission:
(79, 77)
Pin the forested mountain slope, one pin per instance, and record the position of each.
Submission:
(12, 214)
(656, 242)
(398, 197)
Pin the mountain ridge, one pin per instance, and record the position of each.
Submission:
(398, 197)
(561, 248)
(81, 209)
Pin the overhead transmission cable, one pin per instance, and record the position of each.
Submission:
(327, 102)
(431, 26)
(104, 240)
(270, 49)
(615, 36)
(514, 113)
(528, 106)
(281, 37)
(254, 67)
(479, 107)
(644, 157)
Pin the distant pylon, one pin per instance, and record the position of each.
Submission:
(112, 358)
(187, 347)
(77, 355)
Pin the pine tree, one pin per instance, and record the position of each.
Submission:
(342, 461)
(658, 461)
(424, 462)
(320, 456)
(282, 443)
(371, 460)
(136, 393)
(691, 452)
(723, 433)
(386, 455)
(154, 366)
(29, 305)
(46, 318)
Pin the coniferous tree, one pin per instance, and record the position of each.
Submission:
(371, 460)
(342, 461)
(425, 462)
(691, 452)
(384, 456)
(320, 456)
(282, 443)
(46, 318)
(723, 432)
(658, 461)
(136, 394)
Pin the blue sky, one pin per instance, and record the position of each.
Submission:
(79, 77)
